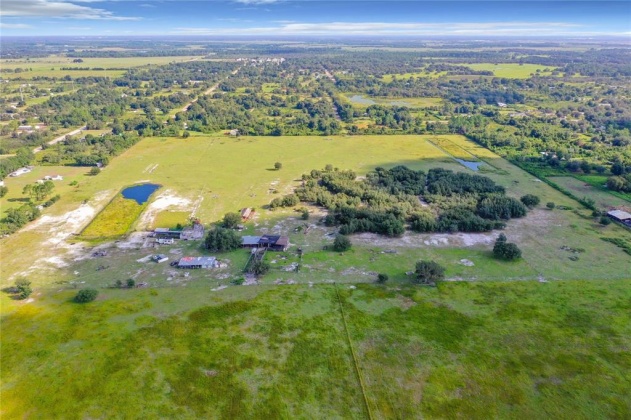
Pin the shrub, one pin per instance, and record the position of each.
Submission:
(530, 200)
(278, 166)
(94, 171)
(23, 288)
(604, 220)
(505, 250)
(342, 243)
(304, 214)
(429, 272)
(86, 295)
(260, 267)
(550, 205)
(382, 278)
(131, 283)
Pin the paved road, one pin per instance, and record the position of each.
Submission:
(208, 91)
(60, 138)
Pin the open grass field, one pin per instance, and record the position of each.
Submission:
(364, 101)
(171, 219)
(513, 70)
(582, 188)
(600, 182)
(462, 350)
(51, 66)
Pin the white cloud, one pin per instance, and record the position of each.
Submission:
(403, 29)
(56, 9)
(14, 26)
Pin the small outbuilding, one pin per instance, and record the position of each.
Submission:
(620, 216)
(246, 213)
(197, 262)
(166, 233)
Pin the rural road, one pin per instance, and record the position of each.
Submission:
(60, 138)
(209, 90)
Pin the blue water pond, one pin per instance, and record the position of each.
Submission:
(140, 193)
(474, 166)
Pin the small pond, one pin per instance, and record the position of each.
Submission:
(474, 166)
(140, 192)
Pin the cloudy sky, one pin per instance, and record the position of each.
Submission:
(315, 18)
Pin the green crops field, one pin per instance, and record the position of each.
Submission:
(461, 350)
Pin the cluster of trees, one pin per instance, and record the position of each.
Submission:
(220, 239)
(388, 200)
(17, 217)
(89, 150)
(505, 250)
(23, 157)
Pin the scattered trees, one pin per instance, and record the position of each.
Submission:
(341, 243)
(221, 239)
(429, 272)
(86, 295)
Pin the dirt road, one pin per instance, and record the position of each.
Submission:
(209, 90)
(60, 138)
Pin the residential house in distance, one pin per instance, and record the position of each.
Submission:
(53, 178)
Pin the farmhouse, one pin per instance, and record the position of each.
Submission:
(166, 233)
(197, 262)
(620, 216)
(165, 241)
(271, 242)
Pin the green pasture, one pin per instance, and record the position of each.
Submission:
(513, 70)
(51, 66)
(461, 350)
(171, 219)
(600, 182)
(581, 187)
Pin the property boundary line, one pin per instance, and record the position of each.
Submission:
(350, 344)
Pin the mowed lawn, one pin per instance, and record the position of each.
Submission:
(461, 350)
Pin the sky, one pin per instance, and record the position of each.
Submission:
(295, 18)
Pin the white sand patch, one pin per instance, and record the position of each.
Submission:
(168, 200)
(414, 240)
(57, 231)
